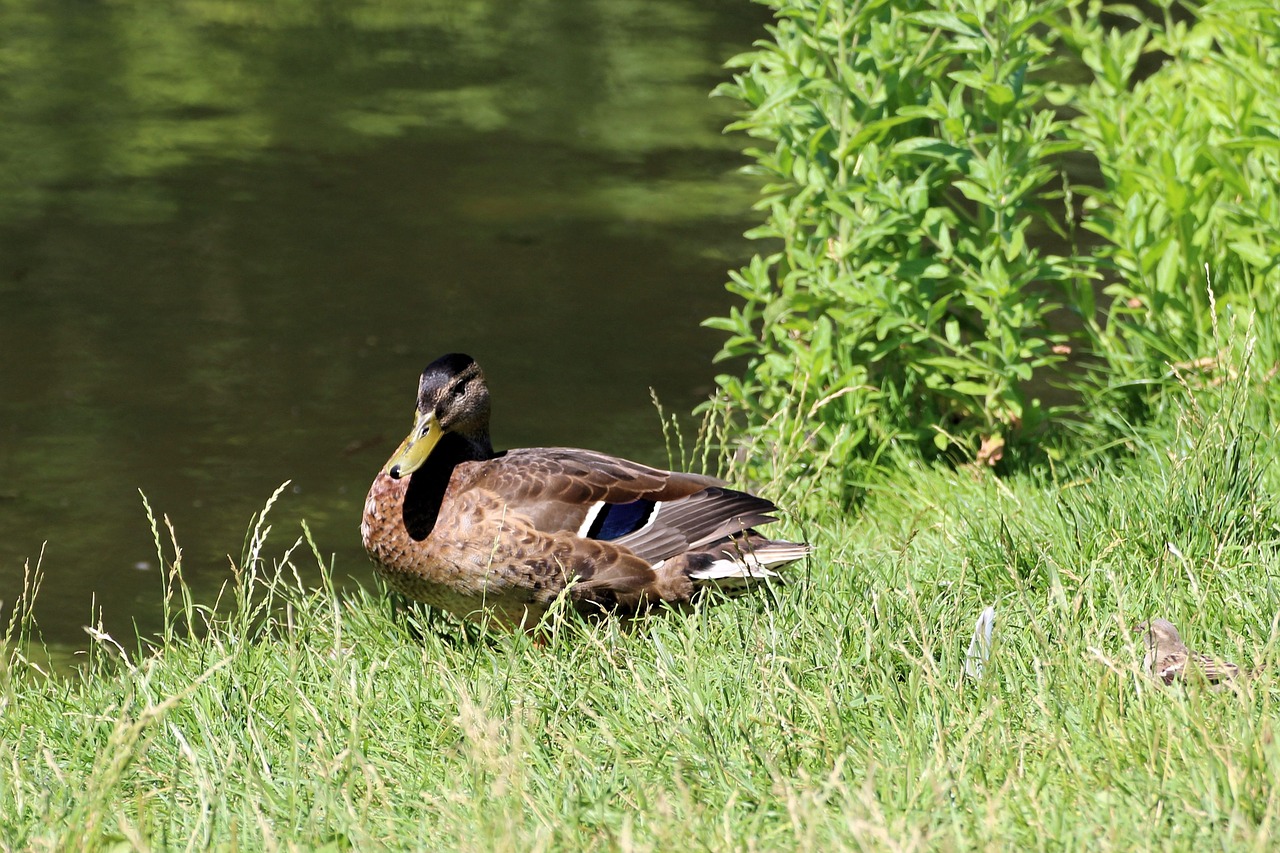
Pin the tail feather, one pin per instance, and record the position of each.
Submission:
(742, 563)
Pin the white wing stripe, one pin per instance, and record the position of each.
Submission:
(592, 512)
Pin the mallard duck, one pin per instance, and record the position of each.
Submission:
(498, 536)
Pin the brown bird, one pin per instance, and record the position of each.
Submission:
(1168, 658)
(499, 536)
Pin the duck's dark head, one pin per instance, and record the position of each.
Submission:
(453, 400)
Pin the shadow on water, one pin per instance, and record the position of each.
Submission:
(232, 234)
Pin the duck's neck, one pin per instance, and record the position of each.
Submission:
(427, 485)
(479, 448)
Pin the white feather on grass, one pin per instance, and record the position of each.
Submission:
(980, 646)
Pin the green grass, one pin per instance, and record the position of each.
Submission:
(831, 714)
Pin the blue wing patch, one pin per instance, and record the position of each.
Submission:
(617, 520)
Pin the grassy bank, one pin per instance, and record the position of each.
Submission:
(835, 714)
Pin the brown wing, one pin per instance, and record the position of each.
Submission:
(551, 496)
(1170, 665)
(1214, 670)
(707, 516)
(1184, 665)
(567, 490)
(556, 488)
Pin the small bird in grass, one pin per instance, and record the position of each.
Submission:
(499, 536)
(1168, 658)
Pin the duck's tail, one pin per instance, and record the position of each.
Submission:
(743, 562)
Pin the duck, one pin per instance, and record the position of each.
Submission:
(497, 537)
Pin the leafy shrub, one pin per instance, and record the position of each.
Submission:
(913, 172)
(912, 161)
(1190, 173)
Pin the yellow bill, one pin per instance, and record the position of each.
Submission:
(415, 449)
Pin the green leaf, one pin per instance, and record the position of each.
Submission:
(972, 79)
(1252, 253)
(1000, 94)
(945, 21)
(975, 193)
(973, 389)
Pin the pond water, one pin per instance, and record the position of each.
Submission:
(232, 234)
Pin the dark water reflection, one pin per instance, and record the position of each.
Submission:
(232, 233)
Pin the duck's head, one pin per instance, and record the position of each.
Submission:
(453, 399)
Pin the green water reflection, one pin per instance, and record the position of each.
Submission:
(231, 234)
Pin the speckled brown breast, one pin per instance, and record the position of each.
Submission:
(452, 573)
